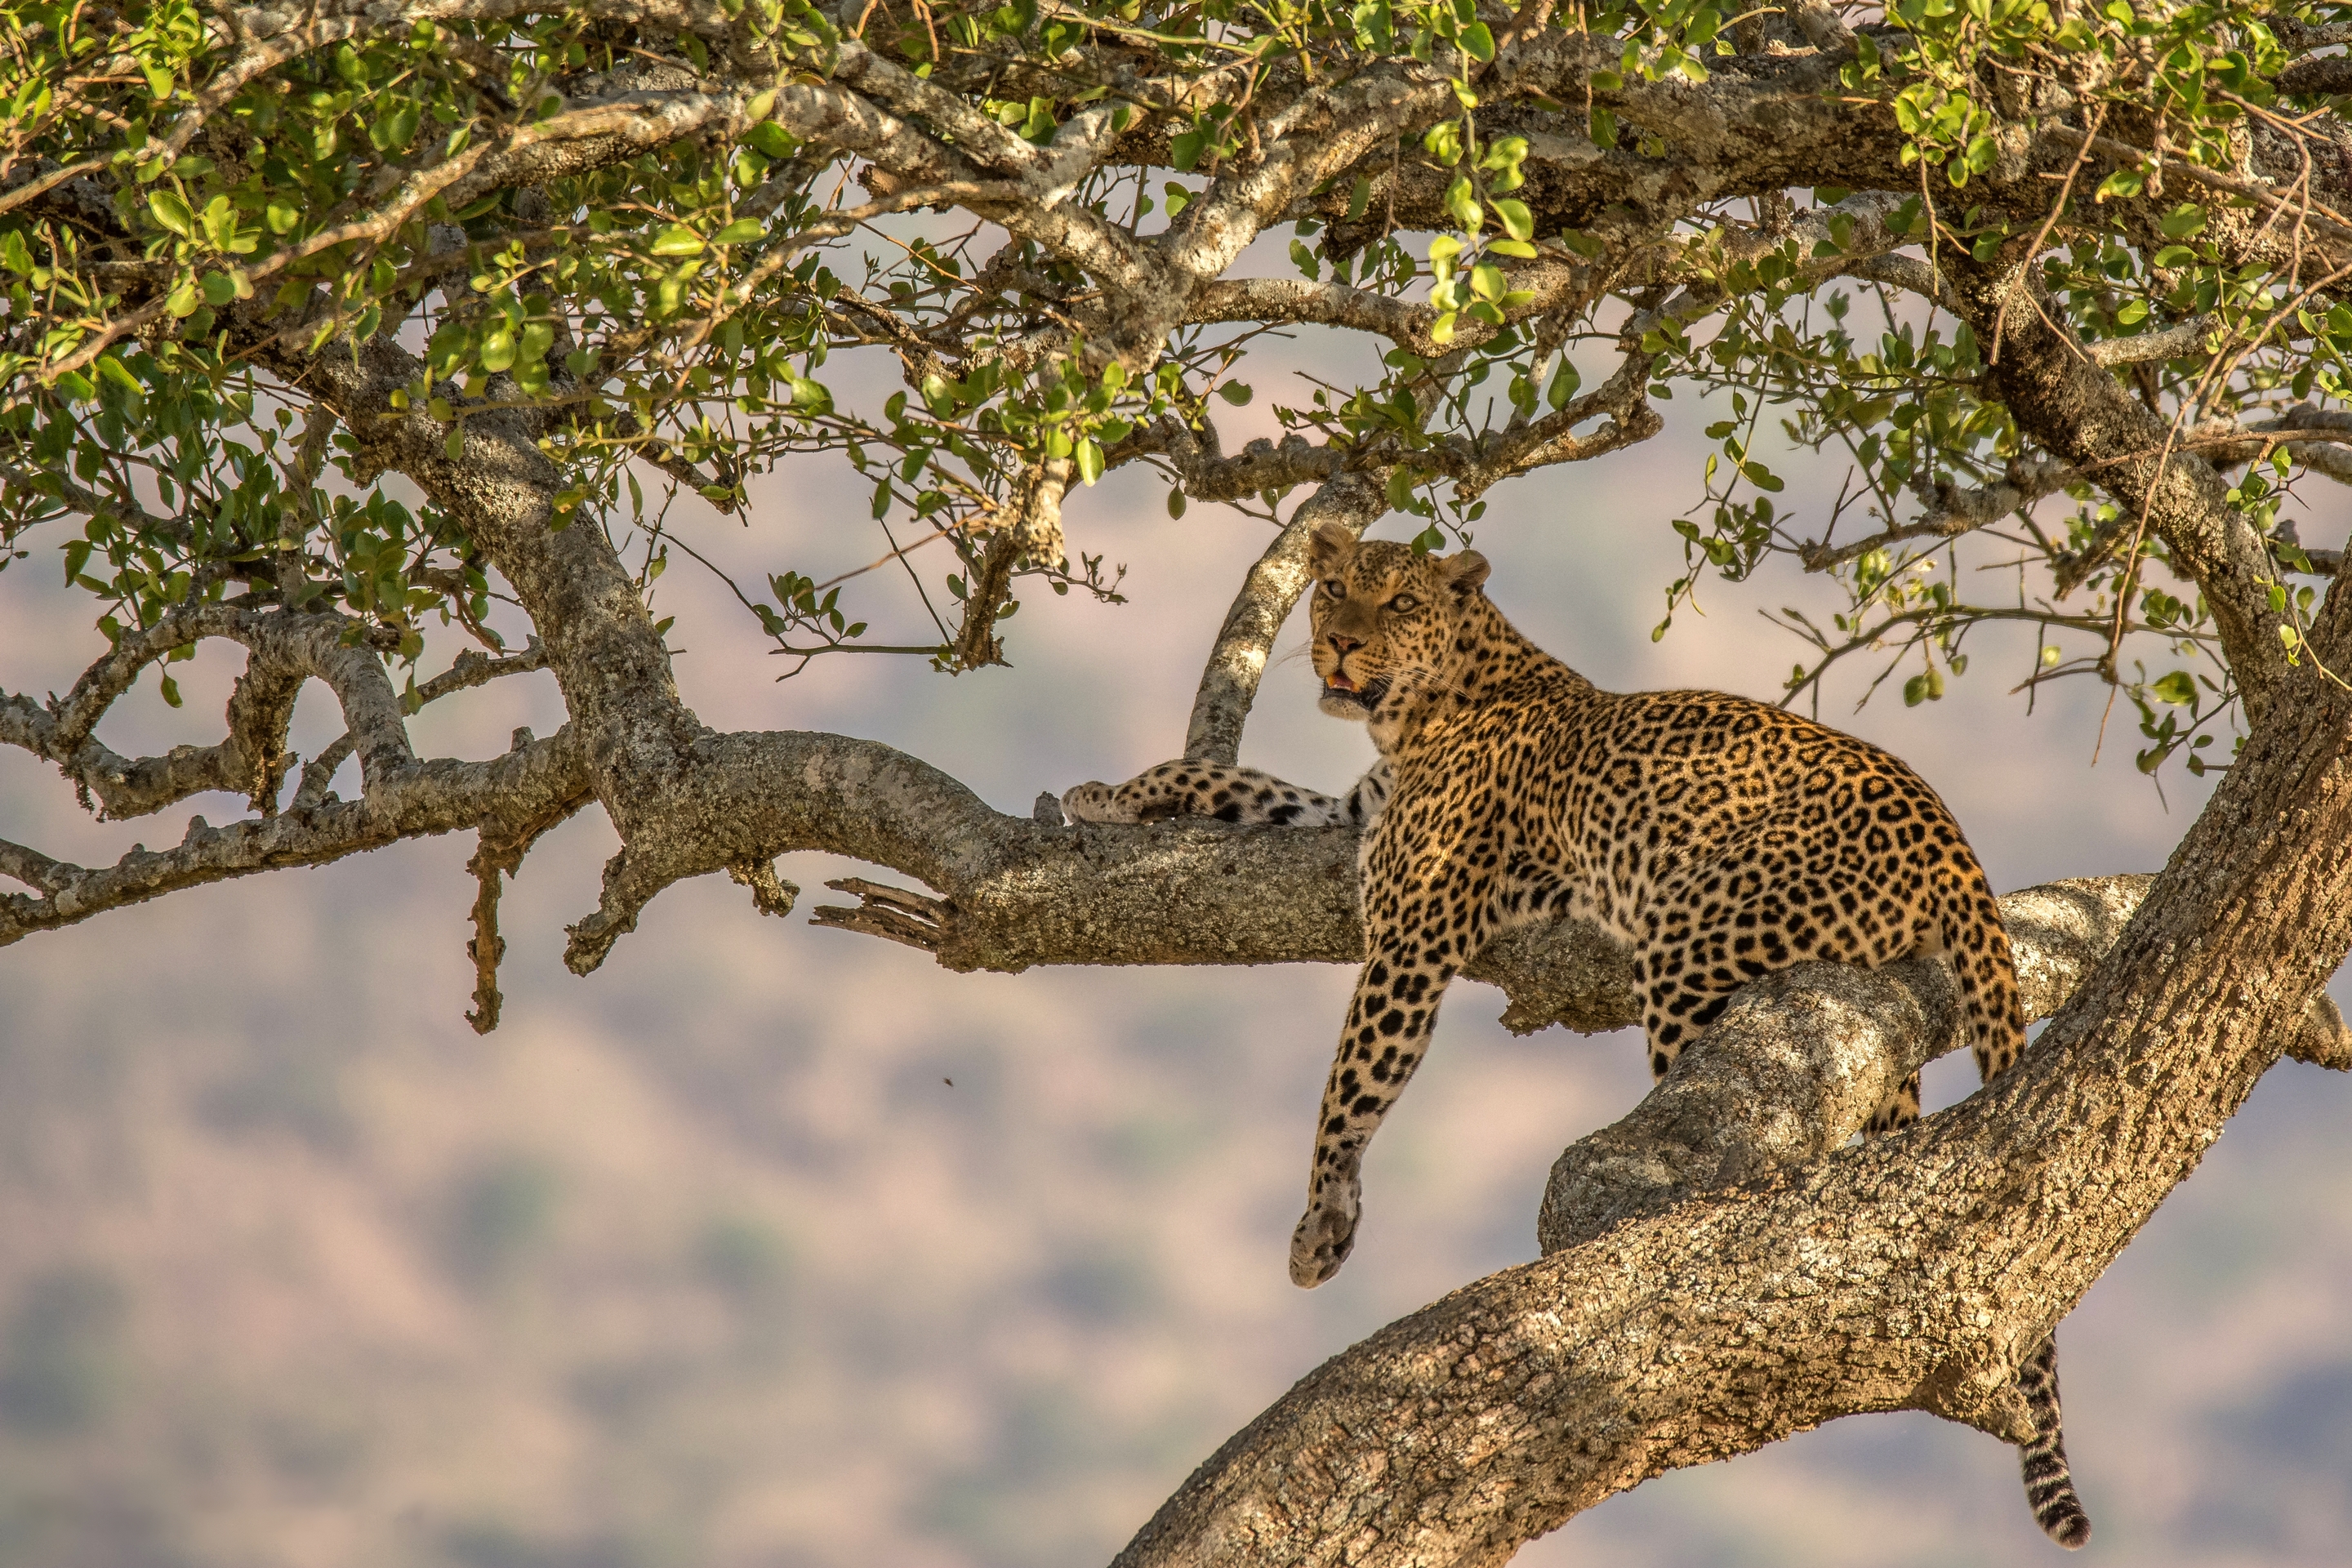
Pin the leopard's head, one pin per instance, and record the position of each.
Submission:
(1385, 623)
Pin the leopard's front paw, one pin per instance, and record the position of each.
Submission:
(1095, 802)
(1321, 1243)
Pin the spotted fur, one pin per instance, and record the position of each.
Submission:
(1719, 838)
(1229, 795)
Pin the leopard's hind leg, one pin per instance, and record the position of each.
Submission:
(1223, 793)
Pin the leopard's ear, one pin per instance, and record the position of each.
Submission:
(1329, 548)
(1463, 571)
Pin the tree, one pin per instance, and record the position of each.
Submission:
(267, 267)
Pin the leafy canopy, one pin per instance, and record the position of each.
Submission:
(649, 231)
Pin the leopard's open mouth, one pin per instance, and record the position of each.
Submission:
(1339, 689)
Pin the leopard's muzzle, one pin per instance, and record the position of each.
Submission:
(1360, 699)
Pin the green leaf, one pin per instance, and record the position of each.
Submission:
(2183, 221)
(1236, 393)
(1477, 41)
(1463, 203)
(1090, 461)
(2179, 688)
(677, 240)
(770, 139)
(1564, 383)
(165, 206)
(1518, 222)
(497, 351)
(112, 369)
(743, 231)
(2123, 183)
(395, 128)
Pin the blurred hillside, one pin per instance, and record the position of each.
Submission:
(769, 1245)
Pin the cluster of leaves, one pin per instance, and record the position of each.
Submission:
(1901, 403)
(177, 239)
(1900, 406)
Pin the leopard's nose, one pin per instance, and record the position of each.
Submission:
(1343, 646)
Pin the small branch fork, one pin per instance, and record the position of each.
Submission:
(534, 786)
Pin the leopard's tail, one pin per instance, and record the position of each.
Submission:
(2049, 1484)
(1978, 946)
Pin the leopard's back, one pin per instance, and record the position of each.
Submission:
(1723, 838)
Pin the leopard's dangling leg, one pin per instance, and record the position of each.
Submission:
(1389, 1026)
(1389, 1023)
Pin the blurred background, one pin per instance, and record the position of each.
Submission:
(774, 1245)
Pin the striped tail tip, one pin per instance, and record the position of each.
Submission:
(2060, 1513)
(2049, 1482)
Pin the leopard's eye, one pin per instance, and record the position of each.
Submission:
(1334, 588)
(1404, 603)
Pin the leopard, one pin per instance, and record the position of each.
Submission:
(1717, 838)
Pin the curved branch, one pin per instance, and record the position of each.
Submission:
(1237, 660)
(433, 797)
(284, 649)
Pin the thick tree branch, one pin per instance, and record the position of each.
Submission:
(2073, 409)
(1803, 1058)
